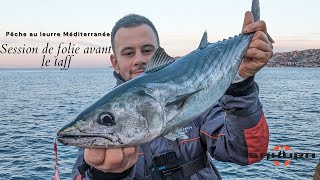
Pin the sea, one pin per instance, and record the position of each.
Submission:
(36, 103)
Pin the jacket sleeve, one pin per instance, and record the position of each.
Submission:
(90, 173)
(75, 174)
(236, 129)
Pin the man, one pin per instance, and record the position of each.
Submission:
(230, 131)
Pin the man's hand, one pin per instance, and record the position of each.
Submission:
(260, 48)
(111, 160)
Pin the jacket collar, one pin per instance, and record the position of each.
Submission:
(119, 79)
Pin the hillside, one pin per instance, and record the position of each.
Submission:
(305, 58)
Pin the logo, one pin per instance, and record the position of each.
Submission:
(283, 155)
(185, 129)
(285, 148)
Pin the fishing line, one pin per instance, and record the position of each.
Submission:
(56, 166)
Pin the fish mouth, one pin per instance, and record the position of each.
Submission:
(73, 138)
(67, 136)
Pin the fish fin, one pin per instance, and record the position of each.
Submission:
(178, 133)
(255, 9)
(204, 41)
(159, 60)
(180, 99)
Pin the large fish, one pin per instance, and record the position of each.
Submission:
(169, 94)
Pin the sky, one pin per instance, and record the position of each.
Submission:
(293, 24)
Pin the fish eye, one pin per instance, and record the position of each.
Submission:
(106, 119)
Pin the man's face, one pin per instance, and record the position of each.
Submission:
(134, 47)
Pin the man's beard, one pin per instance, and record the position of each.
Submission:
(139, 69)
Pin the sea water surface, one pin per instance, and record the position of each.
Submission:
(36, 103)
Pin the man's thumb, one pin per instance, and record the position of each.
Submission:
(248, 19)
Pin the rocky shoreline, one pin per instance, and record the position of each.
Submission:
(304, 58)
